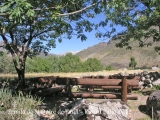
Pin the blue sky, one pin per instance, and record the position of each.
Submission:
(75, 44)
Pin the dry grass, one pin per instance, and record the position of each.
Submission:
(105, 73)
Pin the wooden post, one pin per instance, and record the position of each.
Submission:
(91, 89)
(68, 90)
(124, 90)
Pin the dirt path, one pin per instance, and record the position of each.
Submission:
(138, 108)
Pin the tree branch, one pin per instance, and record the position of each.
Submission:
(30, 37)
(11, 34)
(11, 51)
(65, 14)
(14, 48)
(42, 32)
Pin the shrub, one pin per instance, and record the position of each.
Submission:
(133, 63)
(109, 68)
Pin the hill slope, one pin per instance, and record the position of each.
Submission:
(108, 54)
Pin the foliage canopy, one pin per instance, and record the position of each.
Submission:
(29, 27)
(52, 64)
(140, 20)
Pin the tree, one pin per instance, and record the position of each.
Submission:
(29, 27)
(47, 64)
(109, 67)
(69, 63)
(140, 20)
(92, 64)
(40, 64)
(133, 63)
(53, 63)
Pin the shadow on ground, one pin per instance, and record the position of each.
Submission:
(142, 108)
(147, 92)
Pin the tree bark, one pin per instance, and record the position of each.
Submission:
(21, 79)
(21, 71)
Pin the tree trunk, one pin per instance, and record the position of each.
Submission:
(19, 63)
(21, 72)
(21, 78)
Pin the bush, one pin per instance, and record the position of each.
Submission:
(133, 63)
(17, 107)
(109, 68)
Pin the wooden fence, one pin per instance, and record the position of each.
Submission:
(123, 83)
(126, 84)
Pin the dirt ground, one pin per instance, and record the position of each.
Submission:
(138, 108)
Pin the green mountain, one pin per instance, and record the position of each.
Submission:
(108, 54)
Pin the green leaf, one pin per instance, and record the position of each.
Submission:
(60, 40)
(1, 53)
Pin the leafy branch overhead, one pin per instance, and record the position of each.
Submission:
(45, 20)
(140, 20)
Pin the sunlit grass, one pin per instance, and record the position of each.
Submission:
(76, 74)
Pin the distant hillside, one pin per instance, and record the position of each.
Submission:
(108, 54)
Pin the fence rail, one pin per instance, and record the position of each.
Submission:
(123, 83)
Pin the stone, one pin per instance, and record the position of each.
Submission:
(141, 83)
(139, 73)
(157, 82)
(147, 76)
(142, 87)
(157, 115)
(75, 87)
(155, 68)
(147, 81)
(153, 101)
(145, 73)
(108, 110)
(143, 78)
(150, 85)
(152, 78)
(122, 73)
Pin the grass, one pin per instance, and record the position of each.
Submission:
(17, 106)
(105, 73)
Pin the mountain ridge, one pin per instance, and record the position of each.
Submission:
(109, 54)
